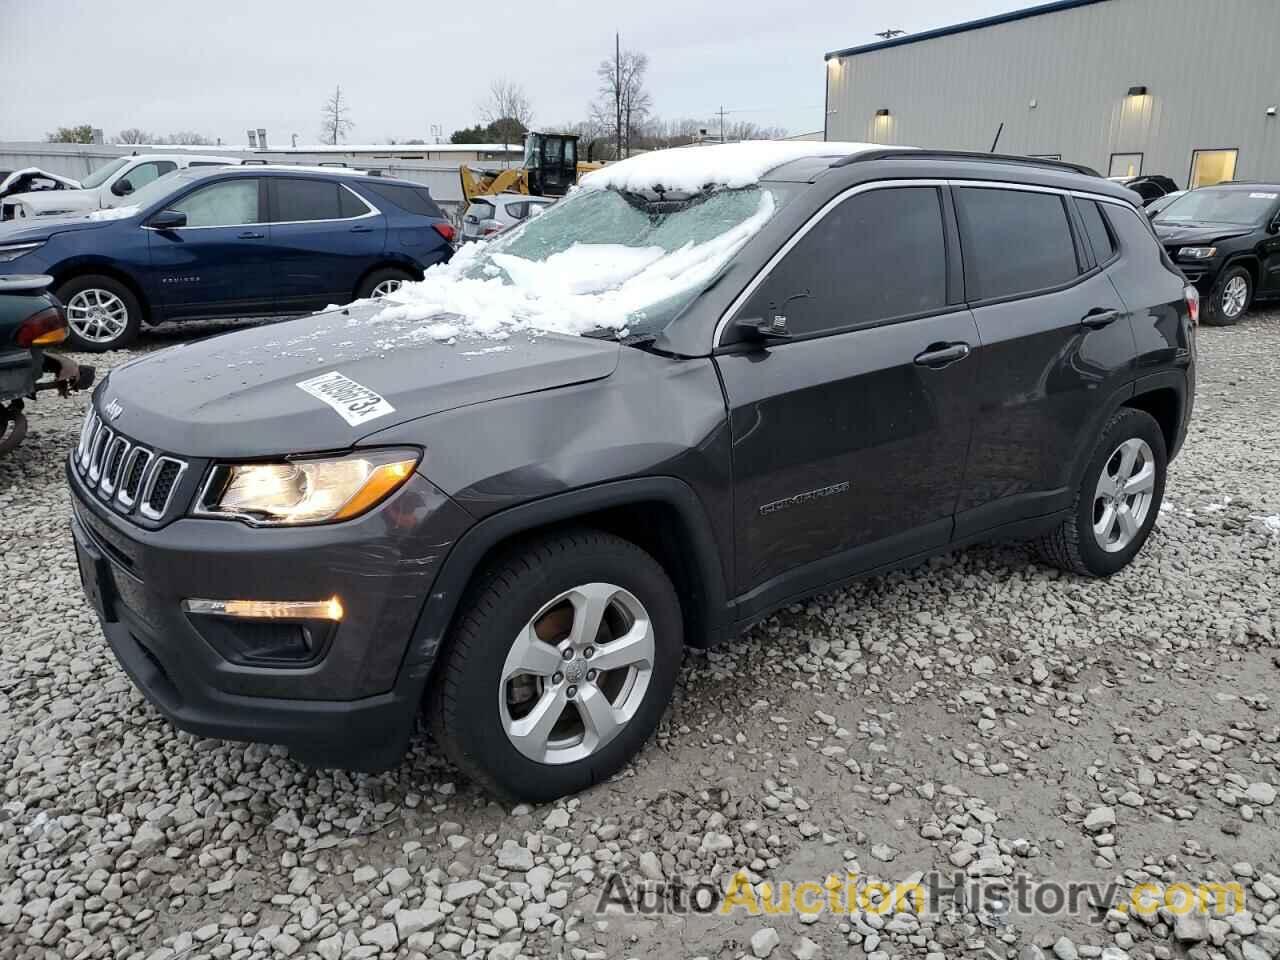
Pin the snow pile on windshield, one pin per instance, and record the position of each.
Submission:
(691, 169)
(561, 273)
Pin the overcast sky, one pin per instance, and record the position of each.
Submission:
(221, 66)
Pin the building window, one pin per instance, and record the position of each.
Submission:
(1125, 165)
(1212, 166)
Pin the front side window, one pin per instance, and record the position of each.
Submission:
(878, 256)
(1015, 242)
(301, 200)
(226, 204)
(145, 173)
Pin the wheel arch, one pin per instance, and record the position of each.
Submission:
(660, 514)
(390, 262)
(64, 273)
(1250, 262)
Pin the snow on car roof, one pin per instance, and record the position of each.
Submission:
(692, 169)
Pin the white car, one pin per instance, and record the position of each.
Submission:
(108, 186)
(486, 216)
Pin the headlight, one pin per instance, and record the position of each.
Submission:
(305, 491)
(1197, 253)
(13, 251)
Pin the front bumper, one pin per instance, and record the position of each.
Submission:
(355, 705)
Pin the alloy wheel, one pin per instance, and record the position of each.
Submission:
(1123, 496)
(1234, 296)
(576, 673)
(385, 287)
(97, 316)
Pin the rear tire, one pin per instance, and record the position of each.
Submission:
(1117, 502)
(516, 703)
(1231, 298)
(382, 282)
(102, 313)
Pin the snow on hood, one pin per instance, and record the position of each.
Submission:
(691, 169)
(115, 213)
(484, 292)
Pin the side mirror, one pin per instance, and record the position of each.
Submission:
(122, 187)
(1274, 225)
(763, 331)
(168, 220)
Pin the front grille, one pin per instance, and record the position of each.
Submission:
(127, 476)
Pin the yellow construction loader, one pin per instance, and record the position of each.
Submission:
(550, 168)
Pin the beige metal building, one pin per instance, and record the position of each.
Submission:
(1185, 88)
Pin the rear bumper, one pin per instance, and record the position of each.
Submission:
(355, 704)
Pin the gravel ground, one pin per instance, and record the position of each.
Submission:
(980, 715)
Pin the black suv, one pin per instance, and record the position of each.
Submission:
(844, 362)
(1226, 239)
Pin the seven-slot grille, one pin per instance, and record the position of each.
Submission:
(125, 474)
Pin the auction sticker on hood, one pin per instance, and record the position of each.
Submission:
(1263, 196)
(354, 402)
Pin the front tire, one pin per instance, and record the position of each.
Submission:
(102, 313)
(561, 662)
(1117, 502)
(1231, 297)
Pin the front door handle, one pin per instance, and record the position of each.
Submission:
(939, 355)
(362, 229)
(1099, 317)
(250, 235)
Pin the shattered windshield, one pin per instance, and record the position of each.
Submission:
(600, 262)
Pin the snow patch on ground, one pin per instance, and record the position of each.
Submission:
(691, 169)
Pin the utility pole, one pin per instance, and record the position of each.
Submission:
(617, 93)
(720, 113)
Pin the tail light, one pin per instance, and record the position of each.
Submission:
(445, 230)
(47, 327)
(1193, 303)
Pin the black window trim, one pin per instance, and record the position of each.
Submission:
(370, 209)
(1191, 170)
(1140, 154)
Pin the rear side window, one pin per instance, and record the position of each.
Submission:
(1015, 242)
(878, 256)
(409, 199)
(479, 210)
(1104, 247)
(297, 200)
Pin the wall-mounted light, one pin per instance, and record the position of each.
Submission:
(1271, 111)
(1138, 91)
(1032, 105)
(882, 112)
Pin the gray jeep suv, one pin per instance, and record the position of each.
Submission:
(844, 363)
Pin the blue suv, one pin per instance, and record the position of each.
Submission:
(230, 242)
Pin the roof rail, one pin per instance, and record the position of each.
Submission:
(899, 154)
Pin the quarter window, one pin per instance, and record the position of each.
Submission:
(226, 204)
(1095, 228)
(879, 255)
(1015, 242)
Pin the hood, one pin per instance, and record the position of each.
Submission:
(42, 228)
(1180, 233)
(52, 202)
(238, 395)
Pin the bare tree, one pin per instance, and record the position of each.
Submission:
(187, 138)
(335, 118)
(507, 110)
(135, 135)
(623, 104)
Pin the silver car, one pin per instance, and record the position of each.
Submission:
(486, 216)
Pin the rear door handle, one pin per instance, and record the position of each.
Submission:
(939, 355)
(362, 229)
(1099, 317)
(250, 235)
